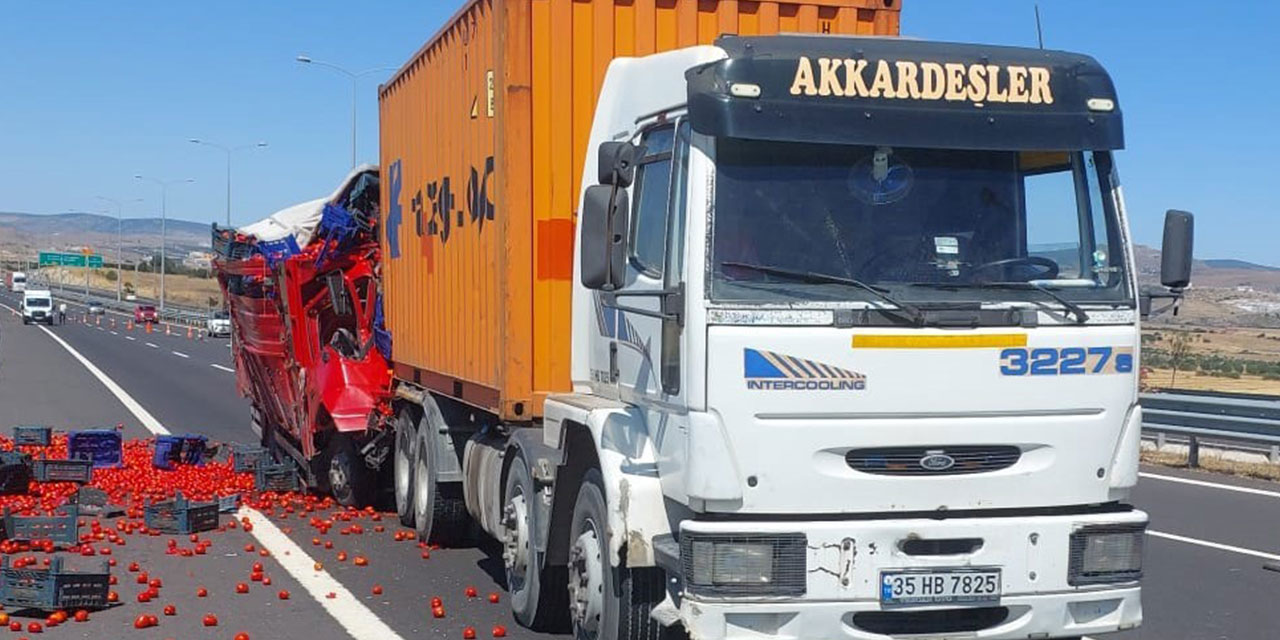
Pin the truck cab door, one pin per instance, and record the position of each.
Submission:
(649, 311)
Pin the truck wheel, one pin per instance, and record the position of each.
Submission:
(607, 603)
(439, 513)
(404, 463)
(538, 597)
(349, 478)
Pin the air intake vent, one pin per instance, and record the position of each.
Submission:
(932, 461)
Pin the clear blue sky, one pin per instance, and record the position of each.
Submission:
(93, 92)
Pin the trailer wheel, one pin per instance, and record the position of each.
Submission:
(439, 512)
(607, 603)
(538, 597)
(404, 463)
(349, 479)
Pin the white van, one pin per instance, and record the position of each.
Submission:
(37, 306)
(17, 281)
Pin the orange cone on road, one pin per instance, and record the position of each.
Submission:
(149, 329)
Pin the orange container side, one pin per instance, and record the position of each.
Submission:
(483, 136)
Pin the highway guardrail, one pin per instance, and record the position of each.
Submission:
(1248, 422)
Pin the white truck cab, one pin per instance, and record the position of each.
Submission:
(37, 306)
(856, 339)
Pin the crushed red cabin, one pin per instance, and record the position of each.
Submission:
(311, 356)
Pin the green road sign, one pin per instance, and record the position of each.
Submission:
(57, 259)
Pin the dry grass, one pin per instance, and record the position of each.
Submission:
(183, 290)
(1214, 464)
(1163, 379)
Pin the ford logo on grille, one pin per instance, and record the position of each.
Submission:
(937, 461)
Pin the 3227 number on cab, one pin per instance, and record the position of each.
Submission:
(1065, 361)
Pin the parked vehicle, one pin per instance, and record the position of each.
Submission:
(219, 324)
(145, 313)
(794, 336)
(96, 309)
(17, 281)
(37, 306)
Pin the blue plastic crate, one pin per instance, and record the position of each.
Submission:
(70, 470)
(181, 516)
(64, 528)
(246, 457)
(179, 449)
(104, 446)
(27, 434)
(278, 477)
(15, 473)
(229, 504)
(53, 588)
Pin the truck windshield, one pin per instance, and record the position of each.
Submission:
(922, 225)
(39, 303)
(19, 279)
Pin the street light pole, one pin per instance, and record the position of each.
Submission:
(355, 77)
(164, 218)
(228, 151)
(119, 250)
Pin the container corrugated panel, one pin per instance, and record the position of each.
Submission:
(483, 135)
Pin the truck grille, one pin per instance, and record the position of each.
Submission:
(932, 461)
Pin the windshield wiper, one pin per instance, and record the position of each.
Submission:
(909, 310)
(1076, 310)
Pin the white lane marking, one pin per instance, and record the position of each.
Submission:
(357, 619)
(131, 338)
(114, 333)
(151, 344)
(360, 622)
(99, 328)
(1211, 485)
(222, 368)
(149, 421)
(180, 354)
(1215, 545)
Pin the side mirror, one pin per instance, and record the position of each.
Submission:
(617, 163)
(1176, 249)
(603, 248)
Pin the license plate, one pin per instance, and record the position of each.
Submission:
(939, 586)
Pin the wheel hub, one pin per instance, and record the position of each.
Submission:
(403, 471)
(586, 583)
(337, 476)
(515, 541)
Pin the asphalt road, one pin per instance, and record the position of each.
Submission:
(41, 383)
(1207, 582)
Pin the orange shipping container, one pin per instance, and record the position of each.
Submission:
(483, 135)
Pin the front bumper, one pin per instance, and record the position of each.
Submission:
(845, 558)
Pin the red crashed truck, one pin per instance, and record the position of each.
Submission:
(301, 287)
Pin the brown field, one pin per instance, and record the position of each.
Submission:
(183, 290)
(1196, 381)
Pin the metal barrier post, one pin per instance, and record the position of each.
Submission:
(1275, 454)
(1160, 441)
(1193, 452)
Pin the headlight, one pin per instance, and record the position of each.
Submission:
(1106, 553)
(744, 565)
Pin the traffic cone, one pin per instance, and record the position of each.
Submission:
(188, 333)
(149, 329)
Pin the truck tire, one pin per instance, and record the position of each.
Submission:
(607, 603)
(539, 599)
(439, 511)
(403, 464)
(349, 479)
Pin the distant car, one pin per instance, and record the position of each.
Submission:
(37, 306)
(96, 309)
(219, 324)
(145, 313)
